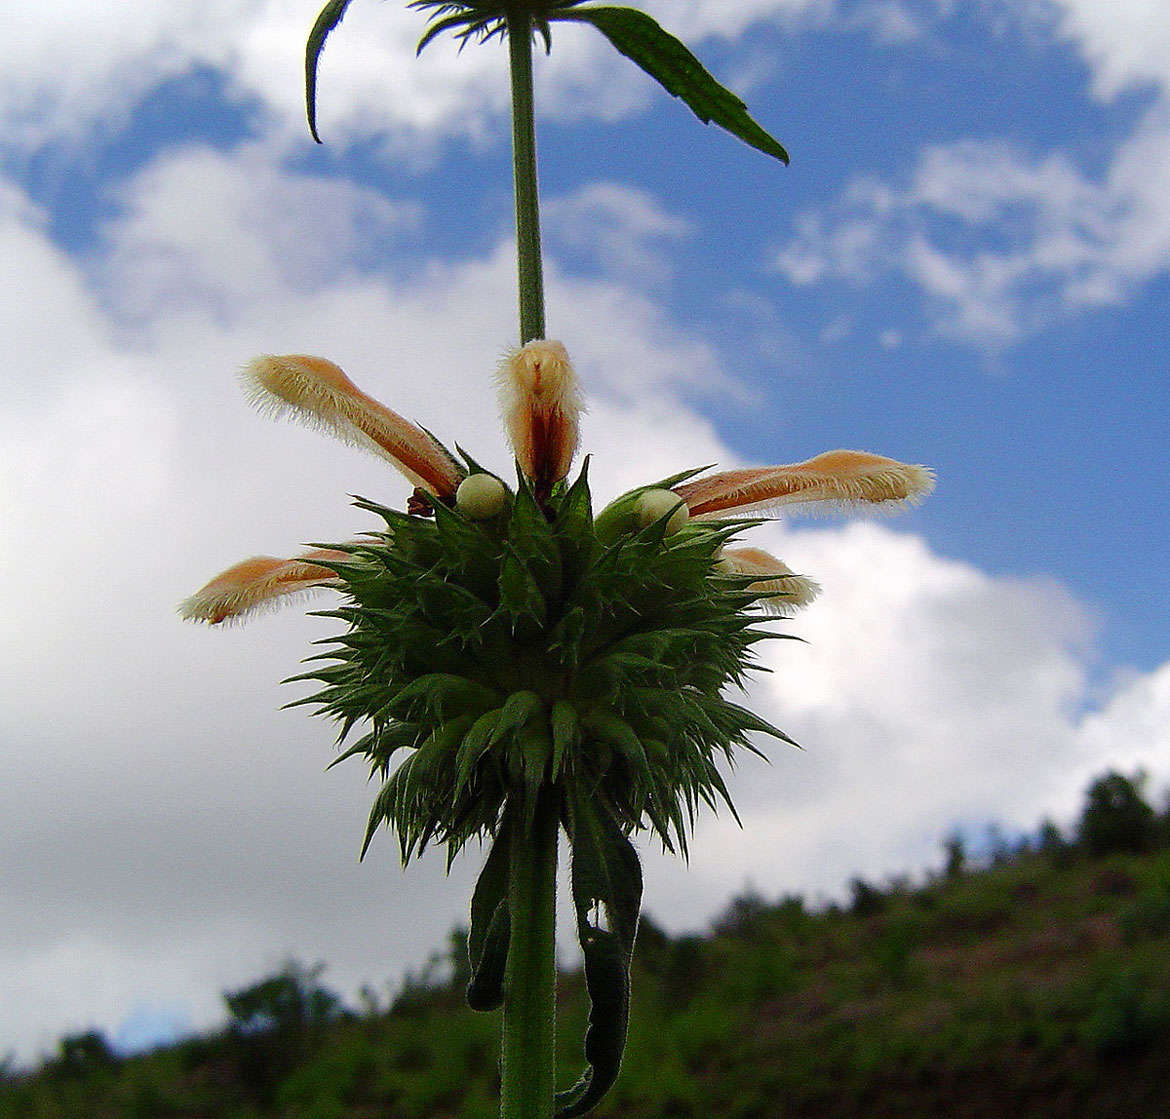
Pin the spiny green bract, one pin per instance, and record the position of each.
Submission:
(519, 652)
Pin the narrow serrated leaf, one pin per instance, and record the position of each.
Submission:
(329, 18)
(669, 62)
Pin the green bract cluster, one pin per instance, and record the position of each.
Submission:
(519, 653)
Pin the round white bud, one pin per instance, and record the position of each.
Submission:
(481, 496)
(653, 505)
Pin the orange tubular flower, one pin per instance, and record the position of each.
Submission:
(789, 591)
(843, 479)
(541, 403)
(258, 582)
(317, 392)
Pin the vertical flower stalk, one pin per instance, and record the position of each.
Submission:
(528, 1064)
(528, 1058)
(519, 31)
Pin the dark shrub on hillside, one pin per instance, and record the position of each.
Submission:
(956, 851)
(290, 1000)
(866, 900)
(1116, 817)
(743, 917)
(1128, 1018)
(84, 1053)
(1052, 844)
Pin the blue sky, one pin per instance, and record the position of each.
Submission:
(967, 264)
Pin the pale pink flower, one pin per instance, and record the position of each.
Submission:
(541, 403)
(842, 479)
(318, 392)
(786, 592)
(261, 581)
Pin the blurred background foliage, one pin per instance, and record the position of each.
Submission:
(1032, 980)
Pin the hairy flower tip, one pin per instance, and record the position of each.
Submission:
(262, 581)
(541, 404)
(843, 479)
(782, 591)
(317, 392)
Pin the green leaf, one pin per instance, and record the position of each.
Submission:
(475, 742)
(574, 527)
(607, 895)
(669, 62)
(439, 692)
(564, 731)
(518, 708)
(487, 939)
(619, 734)
(329, 18)
(535, 744)
(532, 541)
(520, 595)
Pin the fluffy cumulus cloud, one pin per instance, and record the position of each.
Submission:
(1127, 42)
(1000, 241)
(1071, 242)
(167, 833)
(621, 228)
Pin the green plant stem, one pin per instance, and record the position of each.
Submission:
(530, 985)
(524, 171)
(529, 1057)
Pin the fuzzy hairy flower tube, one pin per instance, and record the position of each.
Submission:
(508, 660)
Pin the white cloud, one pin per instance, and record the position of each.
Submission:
(169, 833)
(183, 218)
(620, 227)
(1126, 42)
(1001, 243)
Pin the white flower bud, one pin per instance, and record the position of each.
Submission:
(653, 505)
(481, 496)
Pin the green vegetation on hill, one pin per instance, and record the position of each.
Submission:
(1039, 986)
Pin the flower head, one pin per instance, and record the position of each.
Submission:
(509, 640)
(504, 649)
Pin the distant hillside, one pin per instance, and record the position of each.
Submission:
(1037, 987)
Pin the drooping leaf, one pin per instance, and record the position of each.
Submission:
(329, 18)
(488, 936)
(607, 896)
(669, 62)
